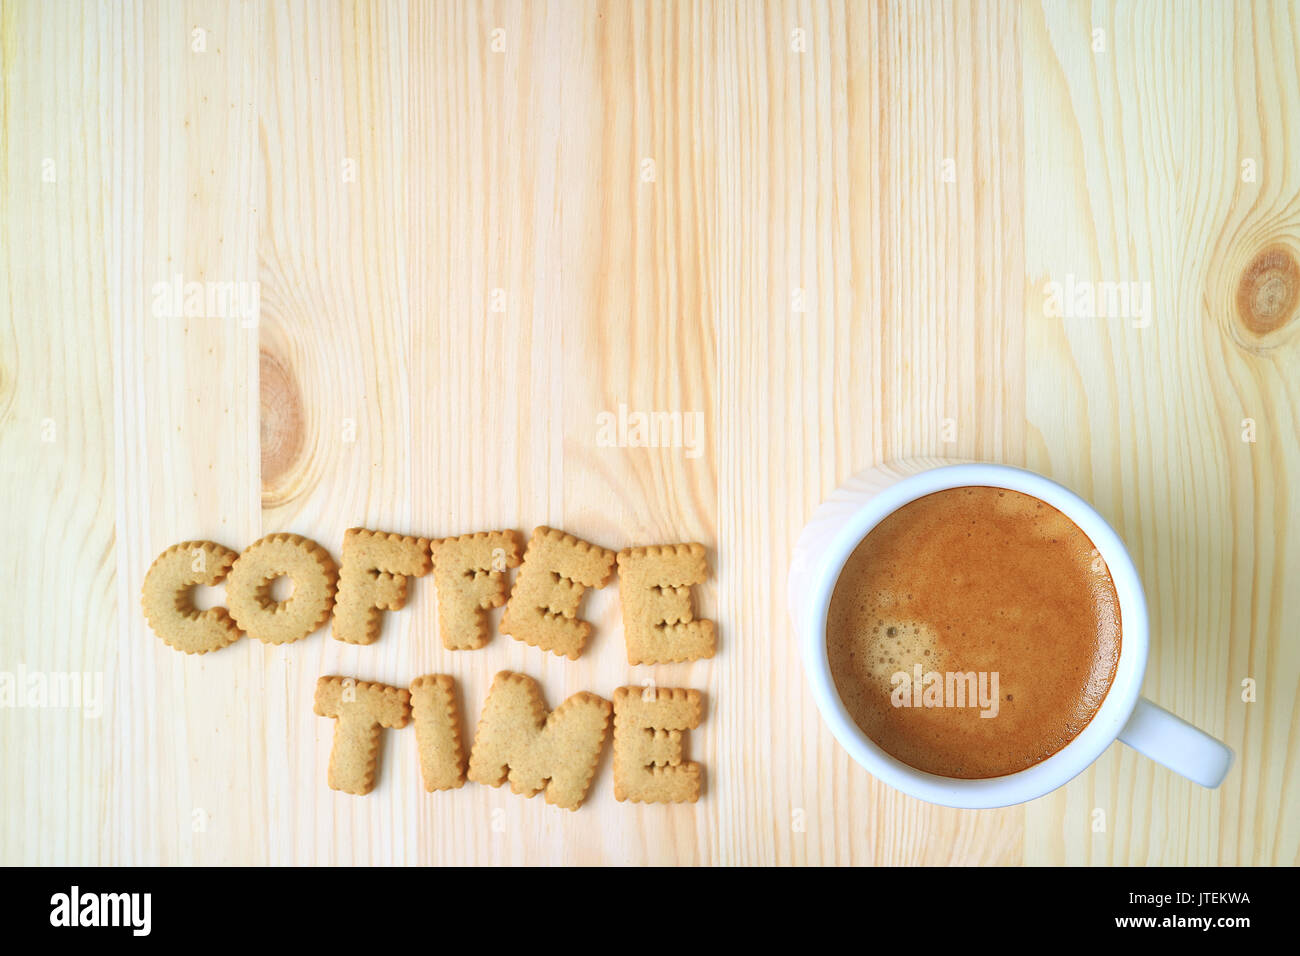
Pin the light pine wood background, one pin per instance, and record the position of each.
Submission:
(799, 270)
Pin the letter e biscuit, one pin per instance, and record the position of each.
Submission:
(659, 624)
(648, 726)
(542, 610)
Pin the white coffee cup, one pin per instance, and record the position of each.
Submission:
(840, 524)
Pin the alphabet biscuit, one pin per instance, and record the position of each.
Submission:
(557, 569)
(648, 726)
(361, 711)
(248, 588)
(437, 732)
(517, 740)
(659, 624)
(373, 579)
(168, 601)
(469, 573)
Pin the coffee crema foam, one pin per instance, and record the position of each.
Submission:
(975, 581)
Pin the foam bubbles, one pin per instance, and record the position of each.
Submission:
(894, 644)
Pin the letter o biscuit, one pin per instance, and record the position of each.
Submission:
(248, 588)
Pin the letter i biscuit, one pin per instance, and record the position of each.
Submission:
(437, 732)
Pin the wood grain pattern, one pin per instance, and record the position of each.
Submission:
(826, 232)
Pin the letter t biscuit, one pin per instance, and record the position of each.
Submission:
(361, 711)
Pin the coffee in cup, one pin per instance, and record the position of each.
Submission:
(974, 632)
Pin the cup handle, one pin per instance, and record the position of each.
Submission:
(1168, 739)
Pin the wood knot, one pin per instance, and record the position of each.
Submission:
(282, 429)
(1269, 290)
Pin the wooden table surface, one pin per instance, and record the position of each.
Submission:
(827, 232)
